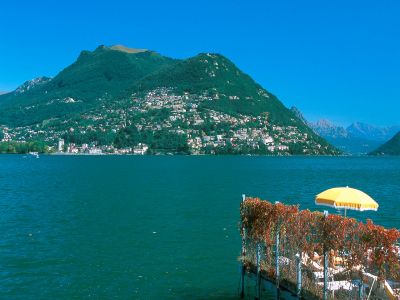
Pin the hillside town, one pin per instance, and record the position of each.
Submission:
(206, 131)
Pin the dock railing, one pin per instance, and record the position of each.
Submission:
(317, 256)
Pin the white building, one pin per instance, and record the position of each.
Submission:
(140, 149)
(95, 151)
(85, 147)
(268, 140)
(60, 145)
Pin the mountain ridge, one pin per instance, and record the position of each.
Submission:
(126, 49)
(357, 138)
(124, 98)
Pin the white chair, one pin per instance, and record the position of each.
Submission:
(339, 285)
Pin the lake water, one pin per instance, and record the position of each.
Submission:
(154, 227)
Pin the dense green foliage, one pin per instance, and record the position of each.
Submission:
(96, 76)
(23, 147)
(89, 137)
(391, 147)
(216, 76)
(158, 141)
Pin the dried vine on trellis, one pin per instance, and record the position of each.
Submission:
(361, 244)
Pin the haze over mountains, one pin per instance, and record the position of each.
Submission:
(357, 138)
(118, 97)
(391, 147)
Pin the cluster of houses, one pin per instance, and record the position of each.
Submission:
(92, 149)
(184, 116)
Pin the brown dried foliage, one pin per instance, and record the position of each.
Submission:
(366, 244)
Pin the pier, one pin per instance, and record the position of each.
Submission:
(299, 254)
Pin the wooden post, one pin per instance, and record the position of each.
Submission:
(298, 289)
(325, 297)
(277, 257)
(243, 270)
(258, 279)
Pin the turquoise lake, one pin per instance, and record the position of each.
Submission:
(155, 227)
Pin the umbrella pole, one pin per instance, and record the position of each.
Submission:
(345, 214)
(325, 291)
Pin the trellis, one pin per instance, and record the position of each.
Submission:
(281, 244)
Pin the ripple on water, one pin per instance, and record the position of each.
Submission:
(155, 227)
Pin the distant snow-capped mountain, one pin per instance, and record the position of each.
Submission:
(327, 128)
(371, 132)
(358, 138)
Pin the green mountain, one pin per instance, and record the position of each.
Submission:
(391, 147)
(94, 77)
(233, 90)
(120, 97)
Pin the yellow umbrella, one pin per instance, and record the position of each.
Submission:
(347, 198)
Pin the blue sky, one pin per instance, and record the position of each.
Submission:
(332, 59)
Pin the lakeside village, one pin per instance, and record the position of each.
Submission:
(163, 122)
(71, 148)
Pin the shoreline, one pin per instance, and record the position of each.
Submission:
(185, 154)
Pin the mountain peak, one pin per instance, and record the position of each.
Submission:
(28, 85)
(361, 126)
(326, 128)
(367, 131)
(120, 48)
(325, 123)
(123, 48)
(211, 57)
